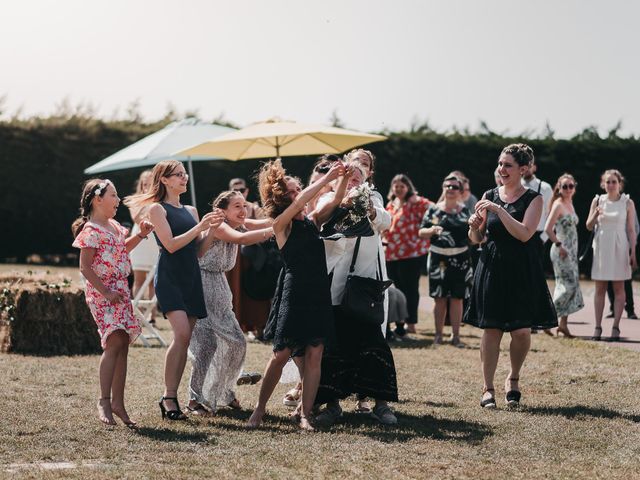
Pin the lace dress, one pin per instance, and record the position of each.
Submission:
(567, 296)
(218, 347)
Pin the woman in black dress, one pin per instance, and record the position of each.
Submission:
(178, 283)
(509, 291)
(301, 318)
(449, 263)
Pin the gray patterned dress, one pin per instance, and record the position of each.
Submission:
(567, 296)
(218, 347)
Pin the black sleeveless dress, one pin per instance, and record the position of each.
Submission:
(509, 289)
(301, 312)
(178, 282)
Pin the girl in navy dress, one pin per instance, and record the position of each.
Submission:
(178, 284)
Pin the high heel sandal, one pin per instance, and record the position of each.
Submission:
(597, 334)
(565, 332)
(176, 414)
(615, 334)
(513, 396)
(488, 402)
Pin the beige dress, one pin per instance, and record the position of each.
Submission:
(610, 242)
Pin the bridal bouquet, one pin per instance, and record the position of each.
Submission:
(351, 219)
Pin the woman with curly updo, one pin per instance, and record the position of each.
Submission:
(509, 292)
(301, 319)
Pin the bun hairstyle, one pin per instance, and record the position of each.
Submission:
(521, 153)
(272, 185)
(615, 173)
(556, 189)
(224, 199)
(349, 157)
(157, 192)
(411, 190)
(91, 188)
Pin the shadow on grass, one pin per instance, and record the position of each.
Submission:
(412, 426)
(576, 411)
(171, 435)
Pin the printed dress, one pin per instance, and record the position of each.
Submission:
(567, 296)
(218, 347)
(112, 265)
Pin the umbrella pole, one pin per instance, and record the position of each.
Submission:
(192, 184)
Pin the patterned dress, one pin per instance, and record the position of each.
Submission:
(449, 263)
(218, 347)
(567, 296)
(112, 265)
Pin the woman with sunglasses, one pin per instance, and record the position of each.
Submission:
(561, 227)
(614, 247)
(449, 263)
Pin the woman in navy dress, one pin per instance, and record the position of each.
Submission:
(301, 319)
(178, 284)
(509, 291)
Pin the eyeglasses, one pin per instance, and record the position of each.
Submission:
(241, 189)
(451, 187)
(179, 175)
(568, 186)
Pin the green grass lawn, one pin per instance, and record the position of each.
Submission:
(580, 419)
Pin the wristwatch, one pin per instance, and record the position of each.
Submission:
(558, 244)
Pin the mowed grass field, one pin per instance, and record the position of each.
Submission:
(580, 418)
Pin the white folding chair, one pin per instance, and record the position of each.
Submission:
(143, 310)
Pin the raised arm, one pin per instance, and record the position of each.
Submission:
(282, 221)
(158, 217)
(227, 234)
(324, 210)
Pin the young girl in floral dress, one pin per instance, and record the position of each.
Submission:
(104, 263)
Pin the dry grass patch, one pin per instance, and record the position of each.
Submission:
(580, 418)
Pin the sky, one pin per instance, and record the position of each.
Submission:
(380, 65)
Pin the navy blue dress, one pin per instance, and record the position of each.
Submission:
(509, 289)
(301, 312)
(178, 282)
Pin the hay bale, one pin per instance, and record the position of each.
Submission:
(41, 314)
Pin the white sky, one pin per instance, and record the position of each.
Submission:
(381, 64)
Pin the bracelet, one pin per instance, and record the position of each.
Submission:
(141, 237)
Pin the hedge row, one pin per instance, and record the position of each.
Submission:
(42, 164)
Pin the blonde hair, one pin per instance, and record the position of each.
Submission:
(158, 190)
(143, 175)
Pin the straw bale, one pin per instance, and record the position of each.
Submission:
(42, 314)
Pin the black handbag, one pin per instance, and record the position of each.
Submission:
(586, 256)
(363, 298)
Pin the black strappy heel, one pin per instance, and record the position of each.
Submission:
(513, 396)
(171, 414)
(488, 402)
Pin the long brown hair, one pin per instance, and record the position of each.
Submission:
(556, 189)
(411, 190)
(89, 192)
(272, 185)
(158, 191)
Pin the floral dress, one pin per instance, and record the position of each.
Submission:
(402, 239)
(567, 296)
(112, 265)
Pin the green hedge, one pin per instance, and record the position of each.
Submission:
(43, 160)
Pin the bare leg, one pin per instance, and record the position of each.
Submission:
(598, 301)
(139, 276)
(176, 357)
(619, 301)
(455, 314)
(119, 381)
(518, 349)
(108, 365)
(311, 378)
(489, 354)
(271, 377)
(439, 313)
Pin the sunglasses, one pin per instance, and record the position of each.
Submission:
(179, 175)
(568, 186)
(241, 189)
(451, 187)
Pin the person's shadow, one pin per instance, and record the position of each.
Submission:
(577, 411)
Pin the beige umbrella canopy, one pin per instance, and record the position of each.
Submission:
(280, 138)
